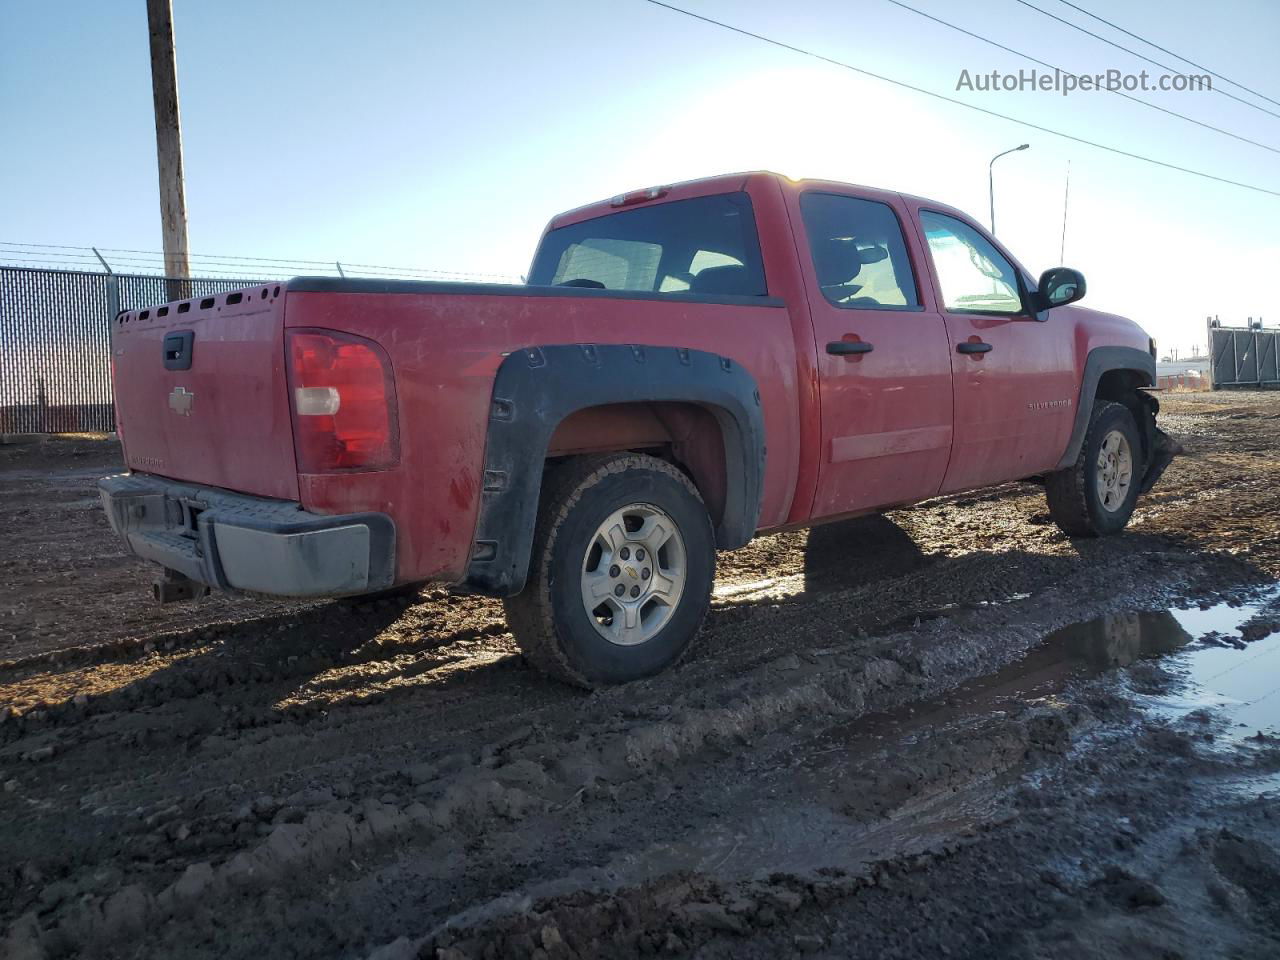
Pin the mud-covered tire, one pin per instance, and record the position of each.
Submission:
(549, 617)
(1073, 493)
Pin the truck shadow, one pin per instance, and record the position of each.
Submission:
(870, 577)
(352, 652)
(302, 665)
(852, 553)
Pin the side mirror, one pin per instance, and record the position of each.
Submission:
(1058, 287)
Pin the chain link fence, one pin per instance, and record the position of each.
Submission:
(55, 342)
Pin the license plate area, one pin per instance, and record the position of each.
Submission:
(182, 515)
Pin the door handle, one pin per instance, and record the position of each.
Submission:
(971, 347)
(844, 348)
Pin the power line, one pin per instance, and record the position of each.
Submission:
(961, 103)
(155, 253)
(1068, 73)
(55, 256)
(86, 253)
(1135, 53)
(155, 262)
(42, 263)
(1150, 43)
(250, 274)
(44, 260)
(44, 246)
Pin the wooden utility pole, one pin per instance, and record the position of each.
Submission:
(164, 89)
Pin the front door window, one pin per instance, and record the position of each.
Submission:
(974, 276)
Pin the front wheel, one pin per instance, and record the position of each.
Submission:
(1096, 495)
(620, 574)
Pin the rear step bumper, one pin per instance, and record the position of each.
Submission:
(233, 541)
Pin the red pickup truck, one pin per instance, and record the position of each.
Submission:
(689, 366)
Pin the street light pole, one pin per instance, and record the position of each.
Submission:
(991, 184)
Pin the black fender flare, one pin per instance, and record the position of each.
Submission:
(537, 387)
(1103, 360)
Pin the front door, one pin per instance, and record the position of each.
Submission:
(1015, 384)
(884, 365)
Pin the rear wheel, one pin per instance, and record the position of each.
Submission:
(1096, 495)
(621, 571)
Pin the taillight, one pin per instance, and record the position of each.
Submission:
(344, 403)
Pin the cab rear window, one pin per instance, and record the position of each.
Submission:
(705, 246)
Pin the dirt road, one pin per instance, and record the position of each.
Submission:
(944, 731)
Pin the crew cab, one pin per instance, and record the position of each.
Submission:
(689, 366)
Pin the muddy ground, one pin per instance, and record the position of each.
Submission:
(947, 731)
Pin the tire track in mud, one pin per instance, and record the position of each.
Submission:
(657, 726)
(995, 890)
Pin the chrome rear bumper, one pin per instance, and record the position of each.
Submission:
(233, 541)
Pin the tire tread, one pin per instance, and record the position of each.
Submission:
(529, 613)
(1065, 489)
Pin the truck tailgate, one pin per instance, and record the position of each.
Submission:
(201, 392)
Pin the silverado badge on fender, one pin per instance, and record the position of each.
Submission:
(1048, 404)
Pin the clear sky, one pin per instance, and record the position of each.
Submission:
(444, 135)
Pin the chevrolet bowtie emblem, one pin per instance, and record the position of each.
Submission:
(180, 401)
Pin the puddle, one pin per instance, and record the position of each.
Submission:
(1225, 673)
(1238, 677)
(1223, 617)
(1119, 639)
(1244, 683)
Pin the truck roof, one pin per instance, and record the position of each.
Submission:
(722, 183)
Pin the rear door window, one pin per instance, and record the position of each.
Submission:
(706, 245)
(859, 253)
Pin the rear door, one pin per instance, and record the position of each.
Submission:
(884, 366)
(201, 394)
(1015, 382)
